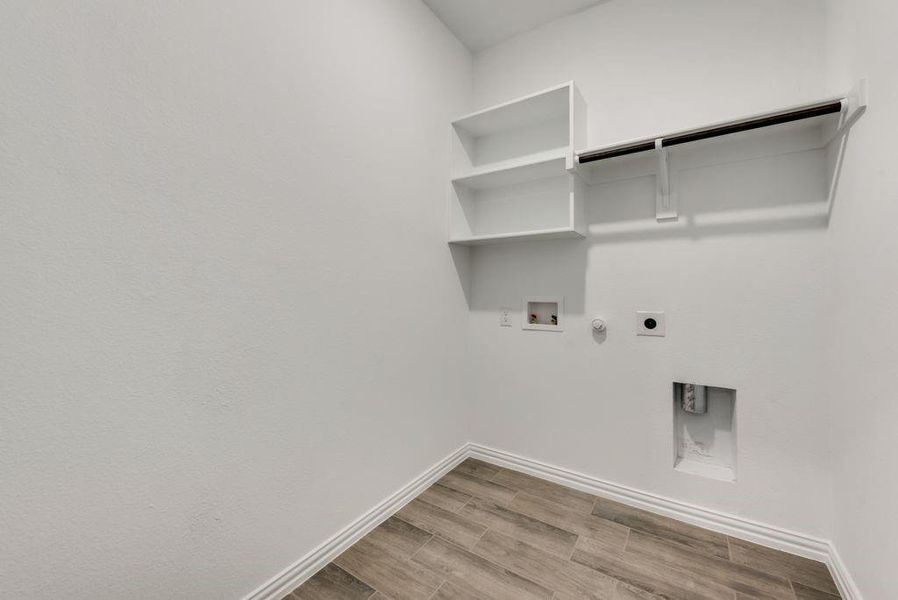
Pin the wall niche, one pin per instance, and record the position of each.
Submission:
(705, 430)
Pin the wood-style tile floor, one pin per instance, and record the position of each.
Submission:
(484, 532)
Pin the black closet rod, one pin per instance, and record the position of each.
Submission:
(777, 118)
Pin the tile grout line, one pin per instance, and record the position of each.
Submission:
(437, 591)
(517, 493)
(353, 574)
(412, 556)
(481, 537)
(570, 558)
(467, 502)
(489, 561)
(627, 541)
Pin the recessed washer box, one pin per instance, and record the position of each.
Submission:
(705, 444)
(543, 313)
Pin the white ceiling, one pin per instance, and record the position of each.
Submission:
(480, 24)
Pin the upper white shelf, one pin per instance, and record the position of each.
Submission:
(547, 105)
(520, 131)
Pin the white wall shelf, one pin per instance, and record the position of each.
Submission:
(510, 172)
(496, 238)
(520, 169)
(548, 207)
(512, 169)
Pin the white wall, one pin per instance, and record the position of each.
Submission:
(864, 344)
(742, 279)
(229, 321)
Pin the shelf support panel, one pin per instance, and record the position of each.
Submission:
(665, 199)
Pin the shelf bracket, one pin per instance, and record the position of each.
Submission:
(665, 200)
(853, 106)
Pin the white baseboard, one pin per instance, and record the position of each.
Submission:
(753, 531)
(766, 535)
(308, 565)
(847, 587)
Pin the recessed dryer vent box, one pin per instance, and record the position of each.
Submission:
(705, 431)
(543, 313)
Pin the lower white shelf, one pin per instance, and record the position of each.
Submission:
(540, 234)
(545, 208)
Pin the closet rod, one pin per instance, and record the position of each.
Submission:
(694, 135)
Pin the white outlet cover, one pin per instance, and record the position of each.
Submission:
(505, 317)
(644, 320)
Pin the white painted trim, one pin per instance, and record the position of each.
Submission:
(308, 565)
(767, 535)
(847, 587)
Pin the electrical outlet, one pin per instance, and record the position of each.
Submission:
(505, 317)
(651, 323)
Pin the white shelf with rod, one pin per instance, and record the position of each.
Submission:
(809, 126)
(512, 169)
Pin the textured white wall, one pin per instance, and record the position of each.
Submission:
(225, 284)
(744, 298)
(864, 339)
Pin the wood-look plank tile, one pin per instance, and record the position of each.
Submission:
(567, 579)
(804, 571)
(657, 578)
(398, 538)
(441, 522)
(476, 574)
(702, 540)
(803, 592)
(332, 583)
(568, 497)
(628, 592)
(739, 578)
(399, 579)
(527, 529)
(477, 468)
(475, 486)
(487, 533)
(608, 532)
(450, 591)
(445, 498)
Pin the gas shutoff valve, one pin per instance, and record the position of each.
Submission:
(599, 325)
